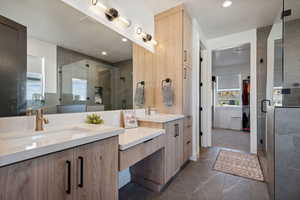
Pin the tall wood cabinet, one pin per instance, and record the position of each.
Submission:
(86, 172)
(174, 59)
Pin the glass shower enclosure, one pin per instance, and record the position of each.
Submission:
(282, 170)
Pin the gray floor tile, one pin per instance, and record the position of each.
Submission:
(198, 181)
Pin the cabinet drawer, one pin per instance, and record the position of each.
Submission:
(134, 154)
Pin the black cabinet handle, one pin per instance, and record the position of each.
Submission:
(68, 190)
(188, 142)
(262, 105)
(176, 130)
(148, 140)
(80, 184)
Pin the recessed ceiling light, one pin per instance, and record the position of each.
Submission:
(124, 39)
(104, 53)
(227, 3)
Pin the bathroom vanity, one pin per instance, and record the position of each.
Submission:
(71, 163)
(82, 161)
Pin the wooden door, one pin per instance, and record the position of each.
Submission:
(97, 170)
(187, 39)
(47, 178)
(13, 42)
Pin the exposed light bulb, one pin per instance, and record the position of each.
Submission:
(104, 53)
(125, 21)
(124, 39)
(100, 5)
(227, 3)
(154, 42)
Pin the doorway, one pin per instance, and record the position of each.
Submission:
(231, 97)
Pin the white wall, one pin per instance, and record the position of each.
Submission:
(48, 52)
(135, 10)
(227, 42)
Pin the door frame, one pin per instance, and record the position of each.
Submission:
(227, 42)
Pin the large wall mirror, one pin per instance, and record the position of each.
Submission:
(71, 63)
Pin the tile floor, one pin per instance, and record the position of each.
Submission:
(231, 139)
(197, 181)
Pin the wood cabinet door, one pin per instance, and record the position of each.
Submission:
(97, 170)
(187, 39)
(178, 126)
(174, 148)
(59, 171)
(170, 151)
(20, 181)
(46, 178)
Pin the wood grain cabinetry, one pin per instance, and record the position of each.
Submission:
(187, 40)
(144, 70)
(174, 148)
(173, 57)
(157, 169)
(136, 153)
(97, 170)
(187, 91)
(62, 175)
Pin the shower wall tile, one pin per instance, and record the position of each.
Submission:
(287, 153)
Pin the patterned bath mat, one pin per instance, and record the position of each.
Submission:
(240, 164)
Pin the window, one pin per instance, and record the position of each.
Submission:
(34, 86)
(79, 89)
(228, 91)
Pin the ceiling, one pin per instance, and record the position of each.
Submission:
(217, 21)
(236, 57)
(55, 22)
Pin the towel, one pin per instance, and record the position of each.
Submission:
(168, 95)
(139, 98)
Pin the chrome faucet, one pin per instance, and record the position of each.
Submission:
(40, 120)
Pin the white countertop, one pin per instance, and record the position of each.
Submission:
(20, 146)
(159, 118)
(135, 136)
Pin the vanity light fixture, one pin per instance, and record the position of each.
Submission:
(111, 14)
(227, 3)
(145, 36)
